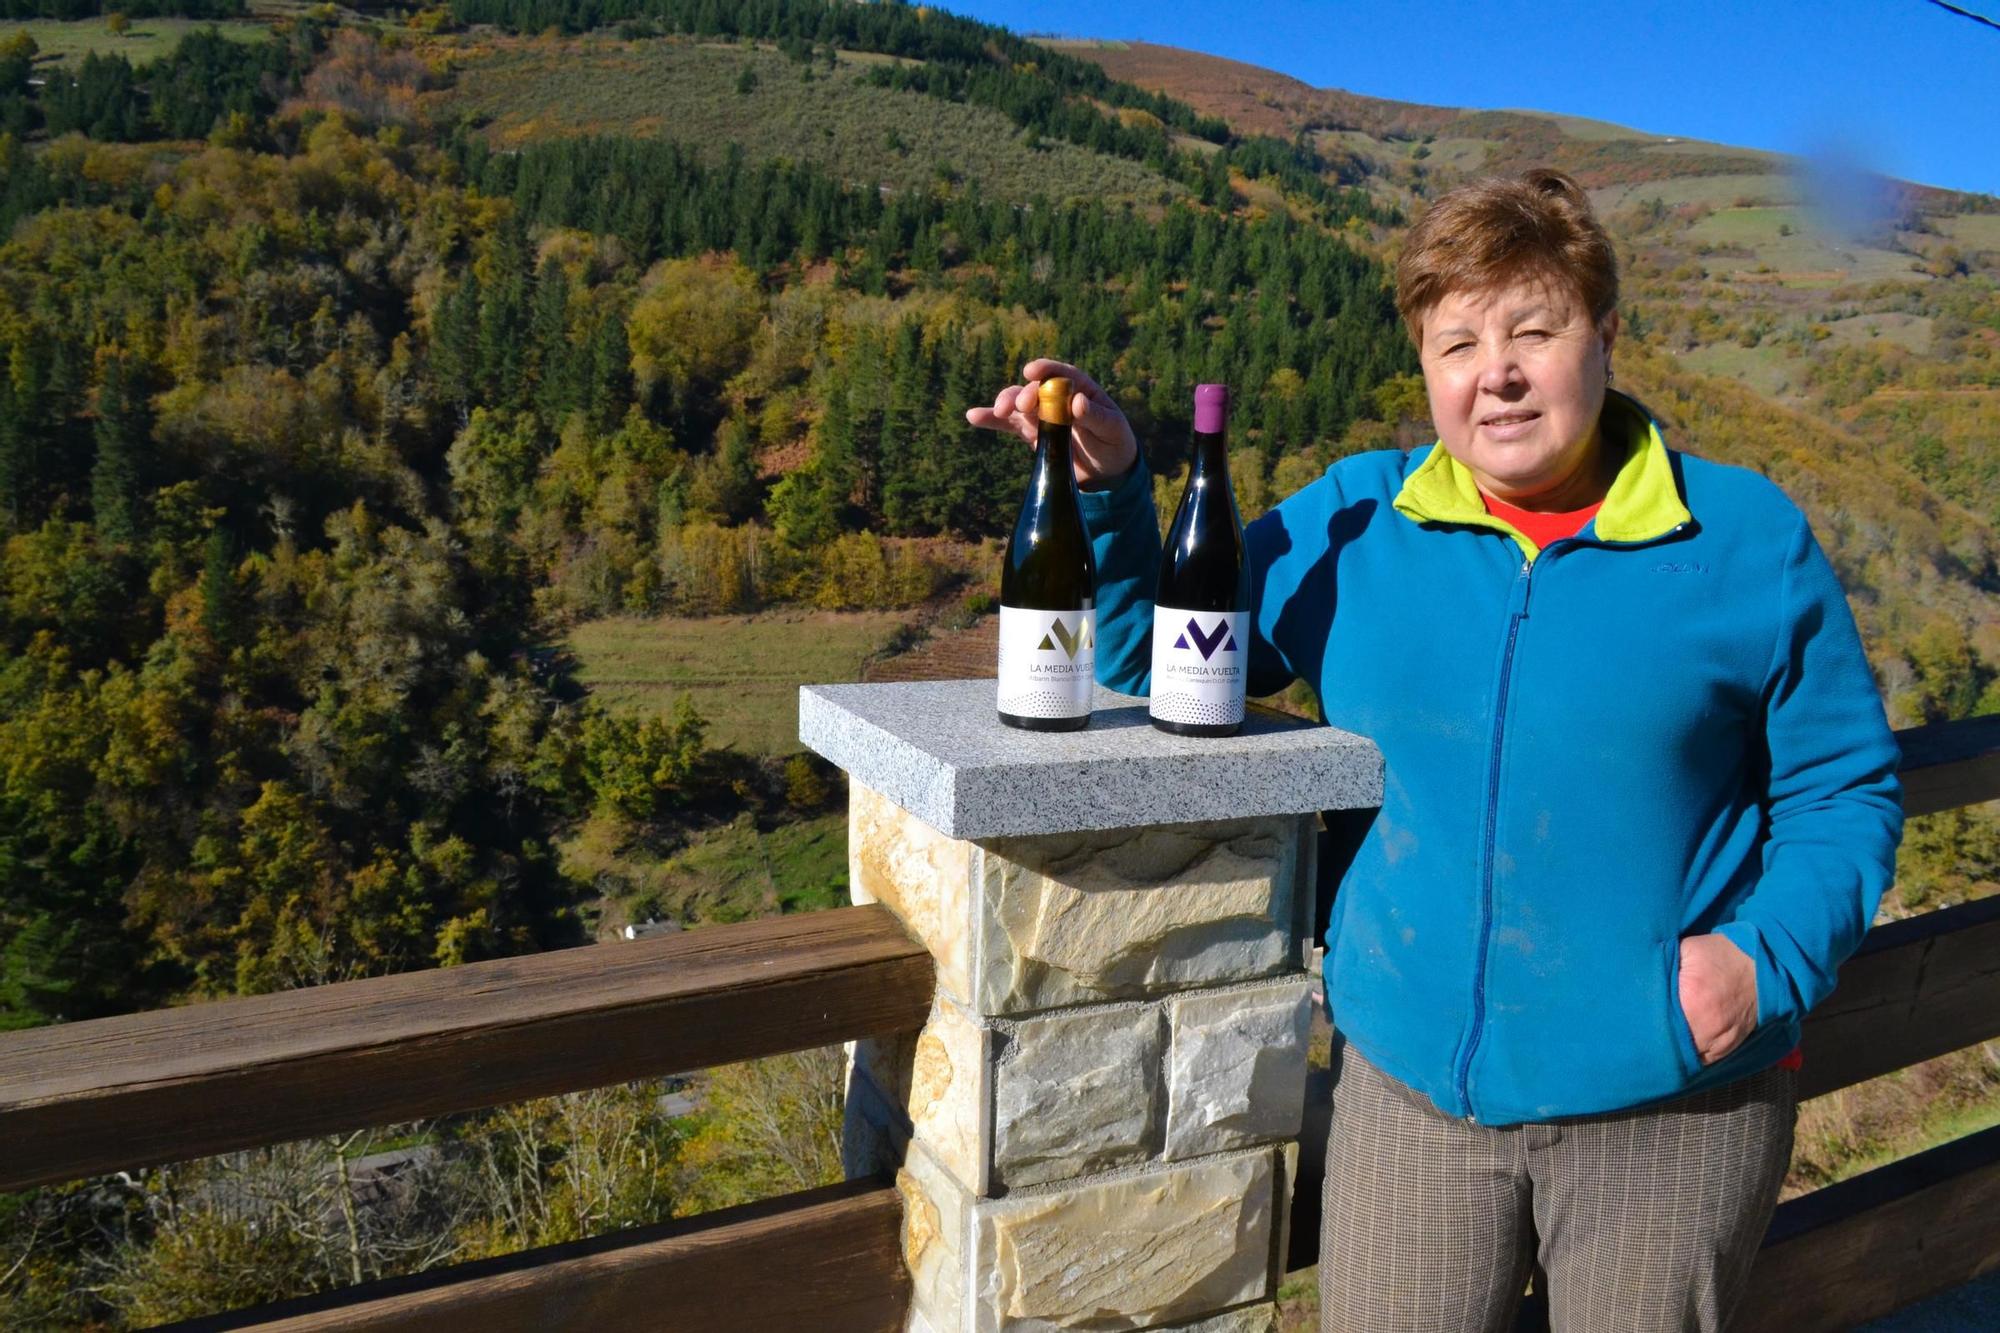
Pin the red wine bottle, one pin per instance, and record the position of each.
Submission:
(1201, 609)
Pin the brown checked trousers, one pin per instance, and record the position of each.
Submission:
(1643, 1221)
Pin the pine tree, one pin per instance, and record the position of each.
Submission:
(865, 396)
(15, 475)
(221, 610)
(908, 472)
(609, 391)
(552, 362)
(455, 342)
(503, 322)
(116, 477)
(955, 502)
(985, 469)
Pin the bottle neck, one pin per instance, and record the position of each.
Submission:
(1052, 458)
(1210, 465)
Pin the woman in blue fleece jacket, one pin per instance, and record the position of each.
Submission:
(1640, 798)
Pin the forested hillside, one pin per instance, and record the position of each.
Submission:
(327, 416)
(355, 376)
(310, 430)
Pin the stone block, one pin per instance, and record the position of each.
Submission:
(936, 748)
(950, 1076)
(937, 1228)
(924, 878)
(1017, 925)
(874, 1132)
(1184, 1243)
(1006, 1103)
(1075, 918)
(1236, 1066)
(886, 1061)
(1127, 1251)
(1076, 1093)
(940, 1079)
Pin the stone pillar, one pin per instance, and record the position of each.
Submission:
(1096, 1126)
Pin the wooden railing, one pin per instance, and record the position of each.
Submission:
(1918, 988)
(88, 1098)
(117, 1093)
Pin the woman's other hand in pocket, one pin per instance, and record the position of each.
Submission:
(1718, 992)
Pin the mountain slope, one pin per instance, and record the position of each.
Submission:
(717, 95)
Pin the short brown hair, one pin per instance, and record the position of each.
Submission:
(1490, 233)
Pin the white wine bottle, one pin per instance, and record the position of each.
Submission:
(1201, 610)
(1048, 589)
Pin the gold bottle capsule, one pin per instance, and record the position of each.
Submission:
(1055, 401)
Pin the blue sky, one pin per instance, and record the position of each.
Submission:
(1902, 86)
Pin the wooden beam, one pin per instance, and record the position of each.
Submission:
(828, 1258)
(1949, 764)
(110, 1094)
(1864, 1247)
(1917, 989)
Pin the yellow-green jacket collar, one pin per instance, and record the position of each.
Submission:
(1642, 505)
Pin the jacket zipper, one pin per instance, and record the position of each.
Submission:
(1524, 583)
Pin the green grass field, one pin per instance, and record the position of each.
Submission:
(1766, 369)
(683, 90)
(1590, 131)
(1460, 154)
(1759, 225)
(743, 671)
(1910, 331)
(1785, 240)
(1716, 191)
(1978, 231)
(145, 40)
(738, 873)
(732, 873)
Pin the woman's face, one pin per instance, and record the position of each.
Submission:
(1516, 380)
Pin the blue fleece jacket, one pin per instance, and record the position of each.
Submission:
(1662, 727)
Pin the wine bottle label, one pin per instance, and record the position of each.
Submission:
(1048, 660)
(1200, 665)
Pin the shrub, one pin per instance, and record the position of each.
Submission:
(634, 764)
(806, 789)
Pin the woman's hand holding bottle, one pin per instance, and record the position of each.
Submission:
(1105, 449)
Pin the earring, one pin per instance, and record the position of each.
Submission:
(1609, 375)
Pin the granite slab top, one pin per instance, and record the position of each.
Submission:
(938, 749)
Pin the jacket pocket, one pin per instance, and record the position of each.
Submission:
(1683, 1035)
